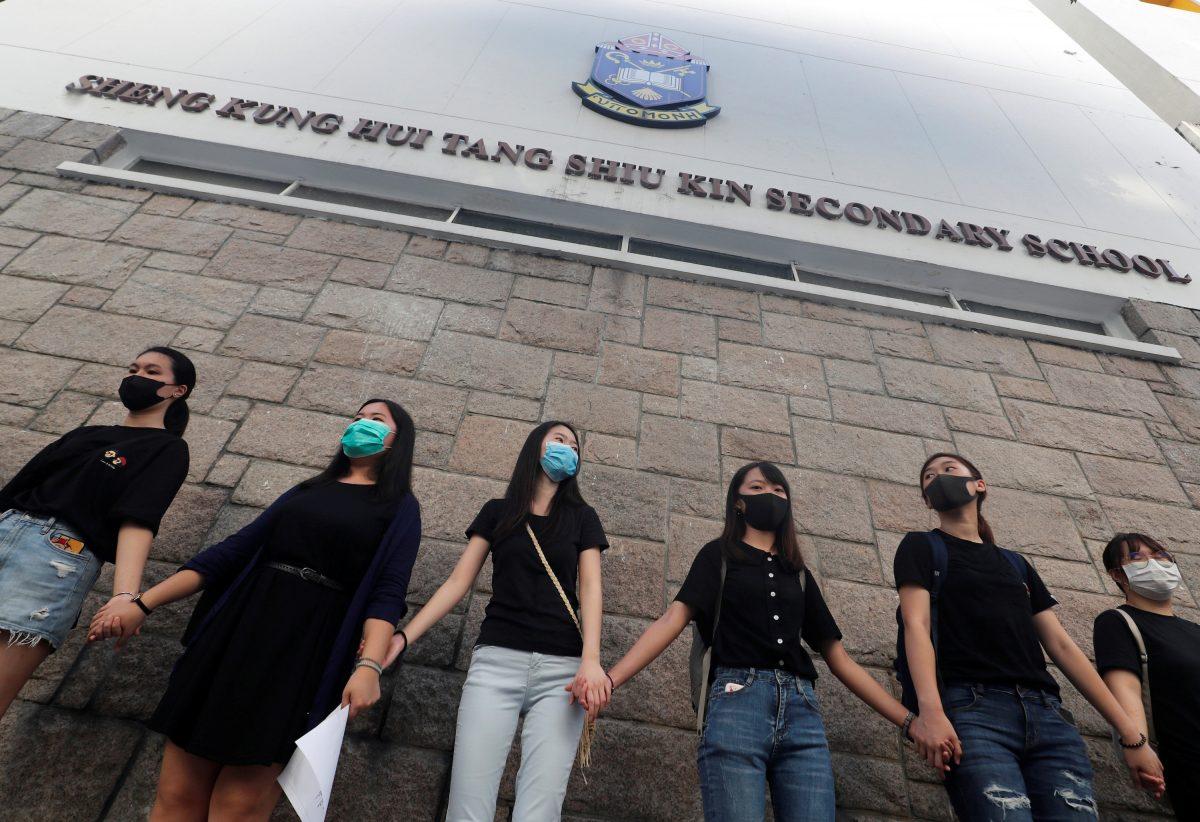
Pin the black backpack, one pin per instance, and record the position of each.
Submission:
(941, 564)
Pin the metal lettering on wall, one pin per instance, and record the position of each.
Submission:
(616, 172)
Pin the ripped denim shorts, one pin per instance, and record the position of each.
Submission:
(45, 573)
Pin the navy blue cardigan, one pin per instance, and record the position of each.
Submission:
(227, 565)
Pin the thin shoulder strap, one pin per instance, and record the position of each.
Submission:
(557, 586)
(720, 597)
(1144, 658)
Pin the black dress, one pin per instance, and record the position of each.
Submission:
(242, 691)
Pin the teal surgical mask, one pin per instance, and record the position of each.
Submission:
(364, 438)
(559, 461)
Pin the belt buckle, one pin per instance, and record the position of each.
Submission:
(309, 575)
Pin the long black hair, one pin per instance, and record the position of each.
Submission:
(183, 373)
(735, 523)
(393, 477)
(985, 530)
(523, 482)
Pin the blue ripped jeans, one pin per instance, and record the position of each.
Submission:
(1022, 760)
(764, 726)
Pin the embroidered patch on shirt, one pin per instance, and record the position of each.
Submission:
(113, 460)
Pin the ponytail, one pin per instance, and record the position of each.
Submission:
(985, 530)
(183, 373)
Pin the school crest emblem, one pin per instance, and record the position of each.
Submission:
(648, 80)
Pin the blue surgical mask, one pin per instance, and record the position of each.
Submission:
(559, 461)
(364, 438)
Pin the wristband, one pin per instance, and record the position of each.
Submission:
(129, 594)
(1135, 745)
(363, 662)
(612, 686)
(137, 600)
(906, 730)
(404, 650)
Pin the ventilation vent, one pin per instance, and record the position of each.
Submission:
(347, 198)
(1032, 317)
(530, 228)
(700, 256)
(204, 175)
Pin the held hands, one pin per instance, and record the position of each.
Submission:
(362, 691)
(397, 646)
(118, 618)
(591, 688)
(936, 741)
(1146, 770)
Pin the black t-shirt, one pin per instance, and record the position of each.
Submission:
(1173, 654)
(764, 610)
(985, 615)
(333, 528)
(525, 612)
(98, 477)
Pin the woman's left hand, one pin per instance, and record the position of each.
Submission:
(591, 687)
(362, 691)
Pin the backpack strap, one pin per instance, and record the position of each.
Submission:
(1145, 662)
(940, 557)
(1024, 569)
(706, 660)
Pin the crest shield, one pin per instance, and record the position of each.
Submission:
(649, 80)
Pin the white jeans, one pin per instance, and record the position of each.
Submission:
(503, 685)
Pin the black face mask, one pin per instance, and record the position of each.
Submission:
(139, 393)
(948, 491)
(764, 511)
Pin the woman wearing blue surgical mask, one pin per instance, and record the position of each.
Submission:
(271, 644)
(539, 644)
(1167, 679)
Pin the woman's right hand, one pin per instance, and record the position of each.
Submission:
(396, 647)
(936, 740)
(119, 619)
(1145, 769)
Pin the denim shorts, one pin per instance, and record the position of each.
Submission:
(43, 581)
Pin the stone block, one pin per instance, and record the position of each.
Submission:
(593, 407)
(757, 445)
(576, 366)
(172, 234)
(181, 298)
(663, 406)
(1081, 431)
(660, 693)
(84, 134)
(973, 422)
(264, 481)
(634, 578)
(1101, 392)
(187, 522)
(609, 450)
(448, 281)
(503, 405)
(343, 391)
(289, 435)
(270, 265)
(869, 785)
(737, 303)
(1184, 412)
(1033, 524)
(851, 726)
(1024, 389)
(900, 507)
(680, 332)
(629, 503)
(470, 319)
(1130, 367)
(66, 411)
(279, 302)
(555, 292)
(92, 335)
(76, 215)
(25, 300)
(845, 560)
(940, 385)
(375, 312)
(15, 237)
(1178, 527)
(490, 365)
(1089, 519)
(891, 344)
(1136, 480)
(467, 253)
(30, 125)
(867, 616)
(680, 447)
(1028, 467)
(1184, 459)
(361, 272)
(227, 471)
(852, 316)
(1143, 316)
(263, 381)
(432, 450)
(488, 446)
(617, 292)
(769, 369)
(452, 501)
(424, 708)
(401, 777)
(425, 246)
(278, 341)
(374, 352)
(900, 416)
(639, 369)
(627, 330)
(741, 331)
(982, 351)
(84, 296)
(699, 368)
(1057, 573)
(830, 505)
(40, 157)
(534, 265)
(167, 205)
(854, 451)
(550, 326)
(240, 216)
(728, 405)
(856, 376)
(381, 245)
(205, 436)
(825, 339)
(686, 535)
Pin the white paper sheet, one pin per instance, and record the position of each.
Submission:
(308, 778)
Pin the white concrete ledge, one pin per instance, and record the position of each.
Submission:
(615, 258)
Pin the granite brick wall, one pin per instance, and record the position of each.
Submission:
(293, 321)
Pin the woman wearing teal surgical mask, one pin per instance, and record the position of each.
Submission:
(271, 645)
(539, 645)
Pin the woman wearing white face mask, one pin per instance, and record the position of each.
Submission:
(1147, 574)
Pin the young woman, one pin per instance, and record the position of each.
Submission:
(271, 646)
(762, 722)
(1147, 574)
(95, 495)
(987, 689)
(539, 637)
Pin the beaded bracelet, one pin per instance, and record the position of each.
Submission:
(363, 662)
(907, 729)
(1135, 745)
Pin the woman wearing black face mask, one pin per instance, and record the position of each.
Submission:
(975, 619)
(760, 722)
(95, 495)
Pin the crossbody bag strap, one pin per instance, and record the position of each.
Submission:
(589, 729)
(1145, 662)
(706, 663)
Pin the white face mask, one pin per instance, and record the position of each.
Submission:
(1156, 580)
